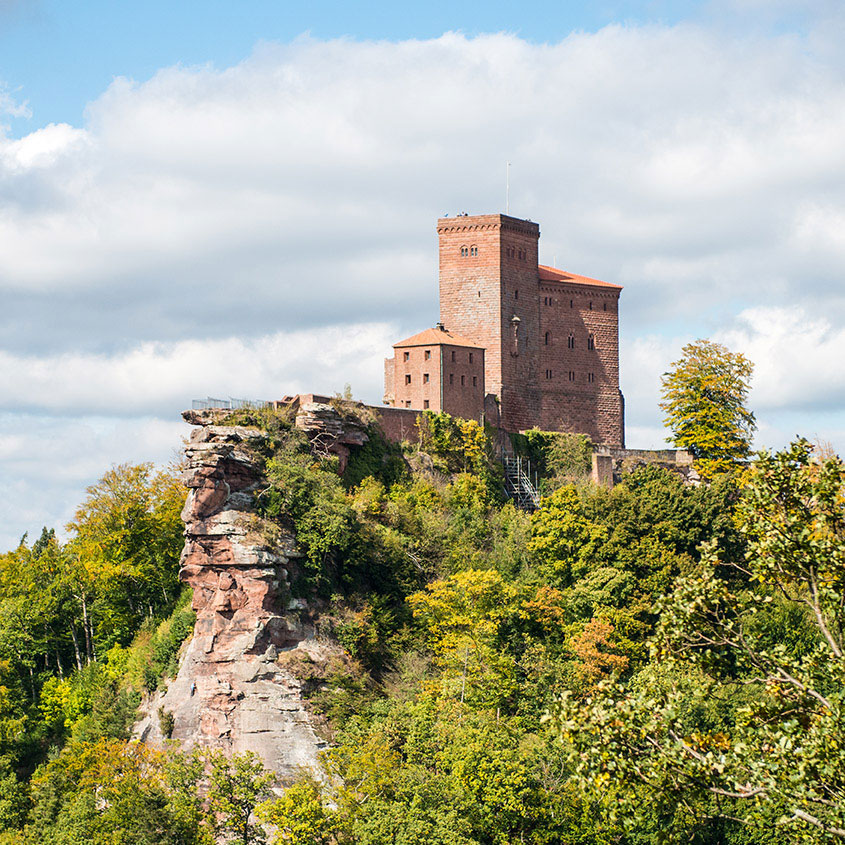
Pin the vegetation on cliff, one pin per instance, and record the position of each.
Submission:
(646, 664)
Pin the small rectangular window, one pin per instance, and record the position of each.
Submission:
(470, 357)
(463, 380)
(516, 294)
(571, 375)
(406, 356)
(571, 303)
(408, 378)
(425, 403)
(475, 381)
(451, 378)
(548, 373)
(591, 377)
(407, 403)
(453, 356)
(427, 354)
(425, 378)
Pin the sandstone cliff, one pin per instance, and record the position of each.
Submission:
(231, 692)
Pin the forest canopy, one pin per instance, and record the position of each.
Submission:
(655, 662)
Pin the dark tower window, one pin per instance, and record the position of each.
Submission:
(453, 356)
(571, 303)
(591, 377)
(464, 251)
(591, 342)
(451, 378)
(546, 339)
(591, 305)
(473, 250)
(475, 381)
(572, 375)
(470, 357)
(516, 293)
(548, 373)
(570, 342)
(604, 306)
(463, 380)
(408, 379)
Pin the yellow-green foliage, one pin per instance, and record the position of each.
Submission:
(704, 398)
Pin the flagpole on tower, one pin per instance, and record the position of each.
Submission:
(508, 188)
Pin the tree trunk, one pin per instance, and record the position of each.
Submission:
(86, 629)
(76, 647)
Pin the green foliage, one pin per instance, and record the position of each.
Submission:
(558, 457)
(459, 446)
(237, 785)
(378, 458)
(301, 816)
(704, 398)
(773, 752)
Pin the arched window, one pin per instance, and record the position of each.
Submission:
(473, 250)
(546, 340)
(570, 343)
(591, 341)
(464, 251)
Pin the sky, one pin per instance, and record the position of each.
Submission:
(240, 200)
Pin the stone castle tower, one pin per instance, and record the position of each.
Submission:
(550, 339)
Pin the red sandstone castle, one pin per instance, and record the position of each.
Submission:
(523, 344)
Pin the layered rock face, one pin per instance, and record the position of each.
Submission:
(230, 692)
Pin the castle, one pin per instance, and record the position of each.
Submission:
(518, 343)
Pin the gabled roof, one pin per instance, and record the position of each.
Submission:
(434, 337)
(552, 274)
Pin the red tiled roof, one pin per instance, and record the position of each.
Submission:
(432, 337)
(552, 274)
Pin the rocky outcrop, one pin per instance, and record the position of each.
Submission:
(329, 432)
(231, 691)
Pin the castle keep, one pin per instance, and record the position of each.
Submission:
(523, 344)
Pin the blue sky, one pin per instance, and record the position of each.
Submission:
(239, 200)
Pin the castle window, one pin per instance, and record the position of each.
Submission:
(516, 294)
(591, 341)
(463, 380)
(570, 342)
(548, 373)
(473, 250)
(408, 378)
(591, 305)
(425, 378)
(464, 251)
(591, 377)
(425, 403)
(571, 303)
(453, 356)
(604, 306)
(407, 403)
(475, 381)
(451, 378)
(470, 357)
(406, 356)
(427, 354)
(546, 339)
(572, 375)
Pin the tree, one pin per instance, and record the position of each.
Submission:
(766, 643)
(704, 399)
(236, 786)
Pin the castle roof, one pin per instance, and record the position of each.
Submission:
(552, 274)
(435, 336)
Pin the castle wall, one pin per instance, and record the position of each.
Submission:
(579, 361)
(463, 382)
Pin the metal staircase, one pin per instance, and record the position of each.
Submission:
(518, 485)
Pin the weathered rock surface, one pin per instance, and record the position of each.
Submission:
(231, 693)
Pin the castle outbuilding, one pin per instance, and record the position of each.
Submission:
(541, 345)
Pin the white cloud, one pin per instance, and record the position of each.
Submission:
(162, 378)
